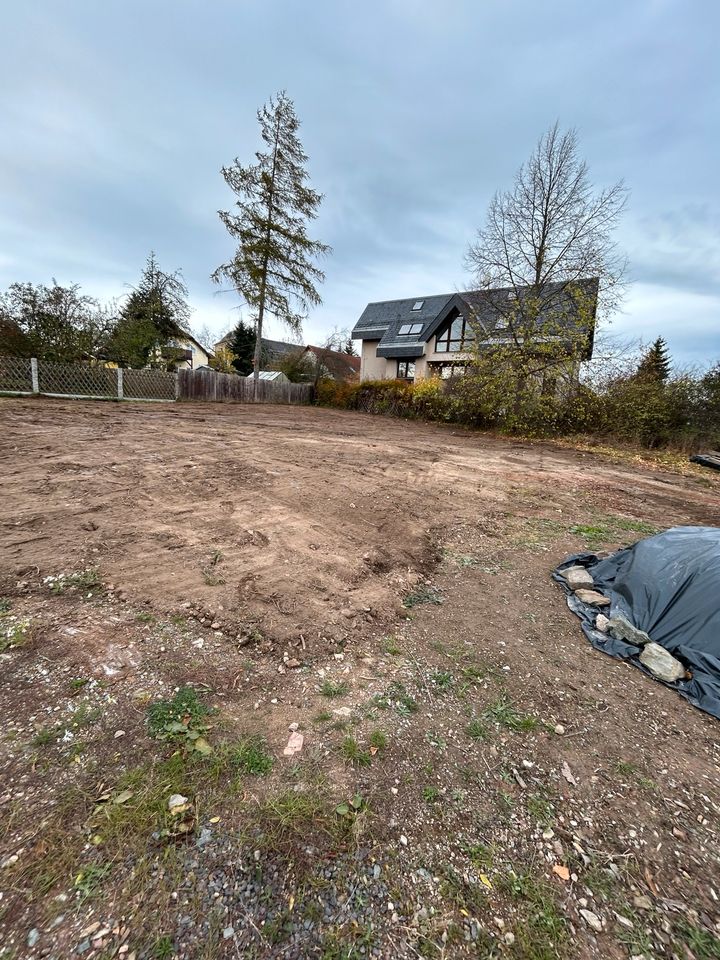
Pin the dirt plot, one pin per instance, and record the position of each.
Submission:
(474, 779)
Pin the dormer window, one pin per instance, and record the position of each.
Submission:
(410, 329)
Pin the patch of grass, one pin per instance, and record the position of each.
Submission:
(703, 944)
(210, 574)
(378, 740)
(609, 528)
(391, 647)
(331, 688)
(185, 707)
(323, 717)
(83, 580)
(624, 768)
(85, 716)
(14, 632)
(5, 605)
(431, 794)
(436, 740)
(77, 683)
(145, 617)
(481, 855)
(252, 756)
(422, 594)
(476, 730)
(89, 880)
(403, 702)
(162, 949)
(636, 940)
(540, 809)
(503, 713)
(181, 719)
(442, 680)
(541, 933)
(354, 753)
(45, 737)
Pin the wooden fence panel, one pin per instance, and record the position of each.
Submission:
(230, 388)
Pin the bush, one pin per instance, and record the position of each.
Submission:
(682, 411)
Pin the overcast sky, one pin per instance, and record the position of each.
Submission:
(117, 116)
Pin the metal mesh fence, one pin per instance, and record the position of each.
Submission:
(15, 375)
(149, 385)
(77, 380)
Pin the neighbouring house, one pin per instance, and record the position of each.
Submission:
(333, 364)
(432, 336)
(184, 352)
(274, 376)
(272, 350)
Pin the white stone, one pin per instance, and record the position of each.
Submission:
(661, 663)
(578, 578)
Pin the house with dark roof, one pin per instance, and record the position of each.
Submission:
(272, 350)
(436, 336)
(333, 364)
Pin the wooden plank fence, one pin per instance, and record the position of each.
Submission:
(228, 387)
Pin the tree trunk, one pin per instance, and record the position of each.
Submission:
(263, 282)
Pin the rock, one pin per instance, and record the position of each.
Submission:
(177, 803)
(661, 663)
(602, 623)
(293, 664)
(592, 598)
(294, 744)
(621, 628)
(642, 902)
(343, 711)
(577, 578)
(592, 920)
(228, 932)
(559, 729)
(293, 726)
(33, 937)
(404, 840)
(509, 938)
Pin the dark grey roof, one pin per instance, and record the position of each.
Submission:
(382, 321)
(273, 348)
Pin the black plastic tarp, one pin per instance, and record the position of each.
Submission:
(668, 586)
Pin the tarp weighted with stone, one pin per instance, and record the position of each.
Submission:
(667, 586)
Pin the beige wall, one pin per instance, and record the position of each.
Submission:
(373, 367)
(200, 356)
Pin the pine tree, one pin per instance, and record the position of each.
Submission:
(242, 345)
(155, 312)
(349, 348)
(273, 268)
(655, 365)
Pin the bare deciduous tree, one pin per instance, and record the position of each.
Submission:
(551, 230)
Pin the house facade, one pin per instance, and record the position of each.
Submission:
(186, 353)
(422, 337)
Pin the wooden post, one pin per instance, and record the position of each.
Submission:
(119, 383)
(34, 375)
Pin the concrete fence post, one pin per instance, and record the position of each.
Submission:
(177, 386)
(119, 383)
(34, 375)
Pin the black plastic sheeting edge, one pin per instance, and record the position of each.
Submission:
(697, 649)
(707, 460)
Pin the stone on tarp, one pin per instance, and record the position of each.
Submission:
(621, 628)
(602, 623)
(578, 578)
(661, 663)
(592, 598)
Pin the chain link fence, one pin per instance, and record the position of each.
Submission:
(19, 375)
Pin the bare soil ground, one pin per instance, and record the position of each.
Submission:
(179, 585)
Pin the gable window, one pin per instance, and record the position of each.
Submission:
(406, 370)
(457, 335)
(409, 329)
